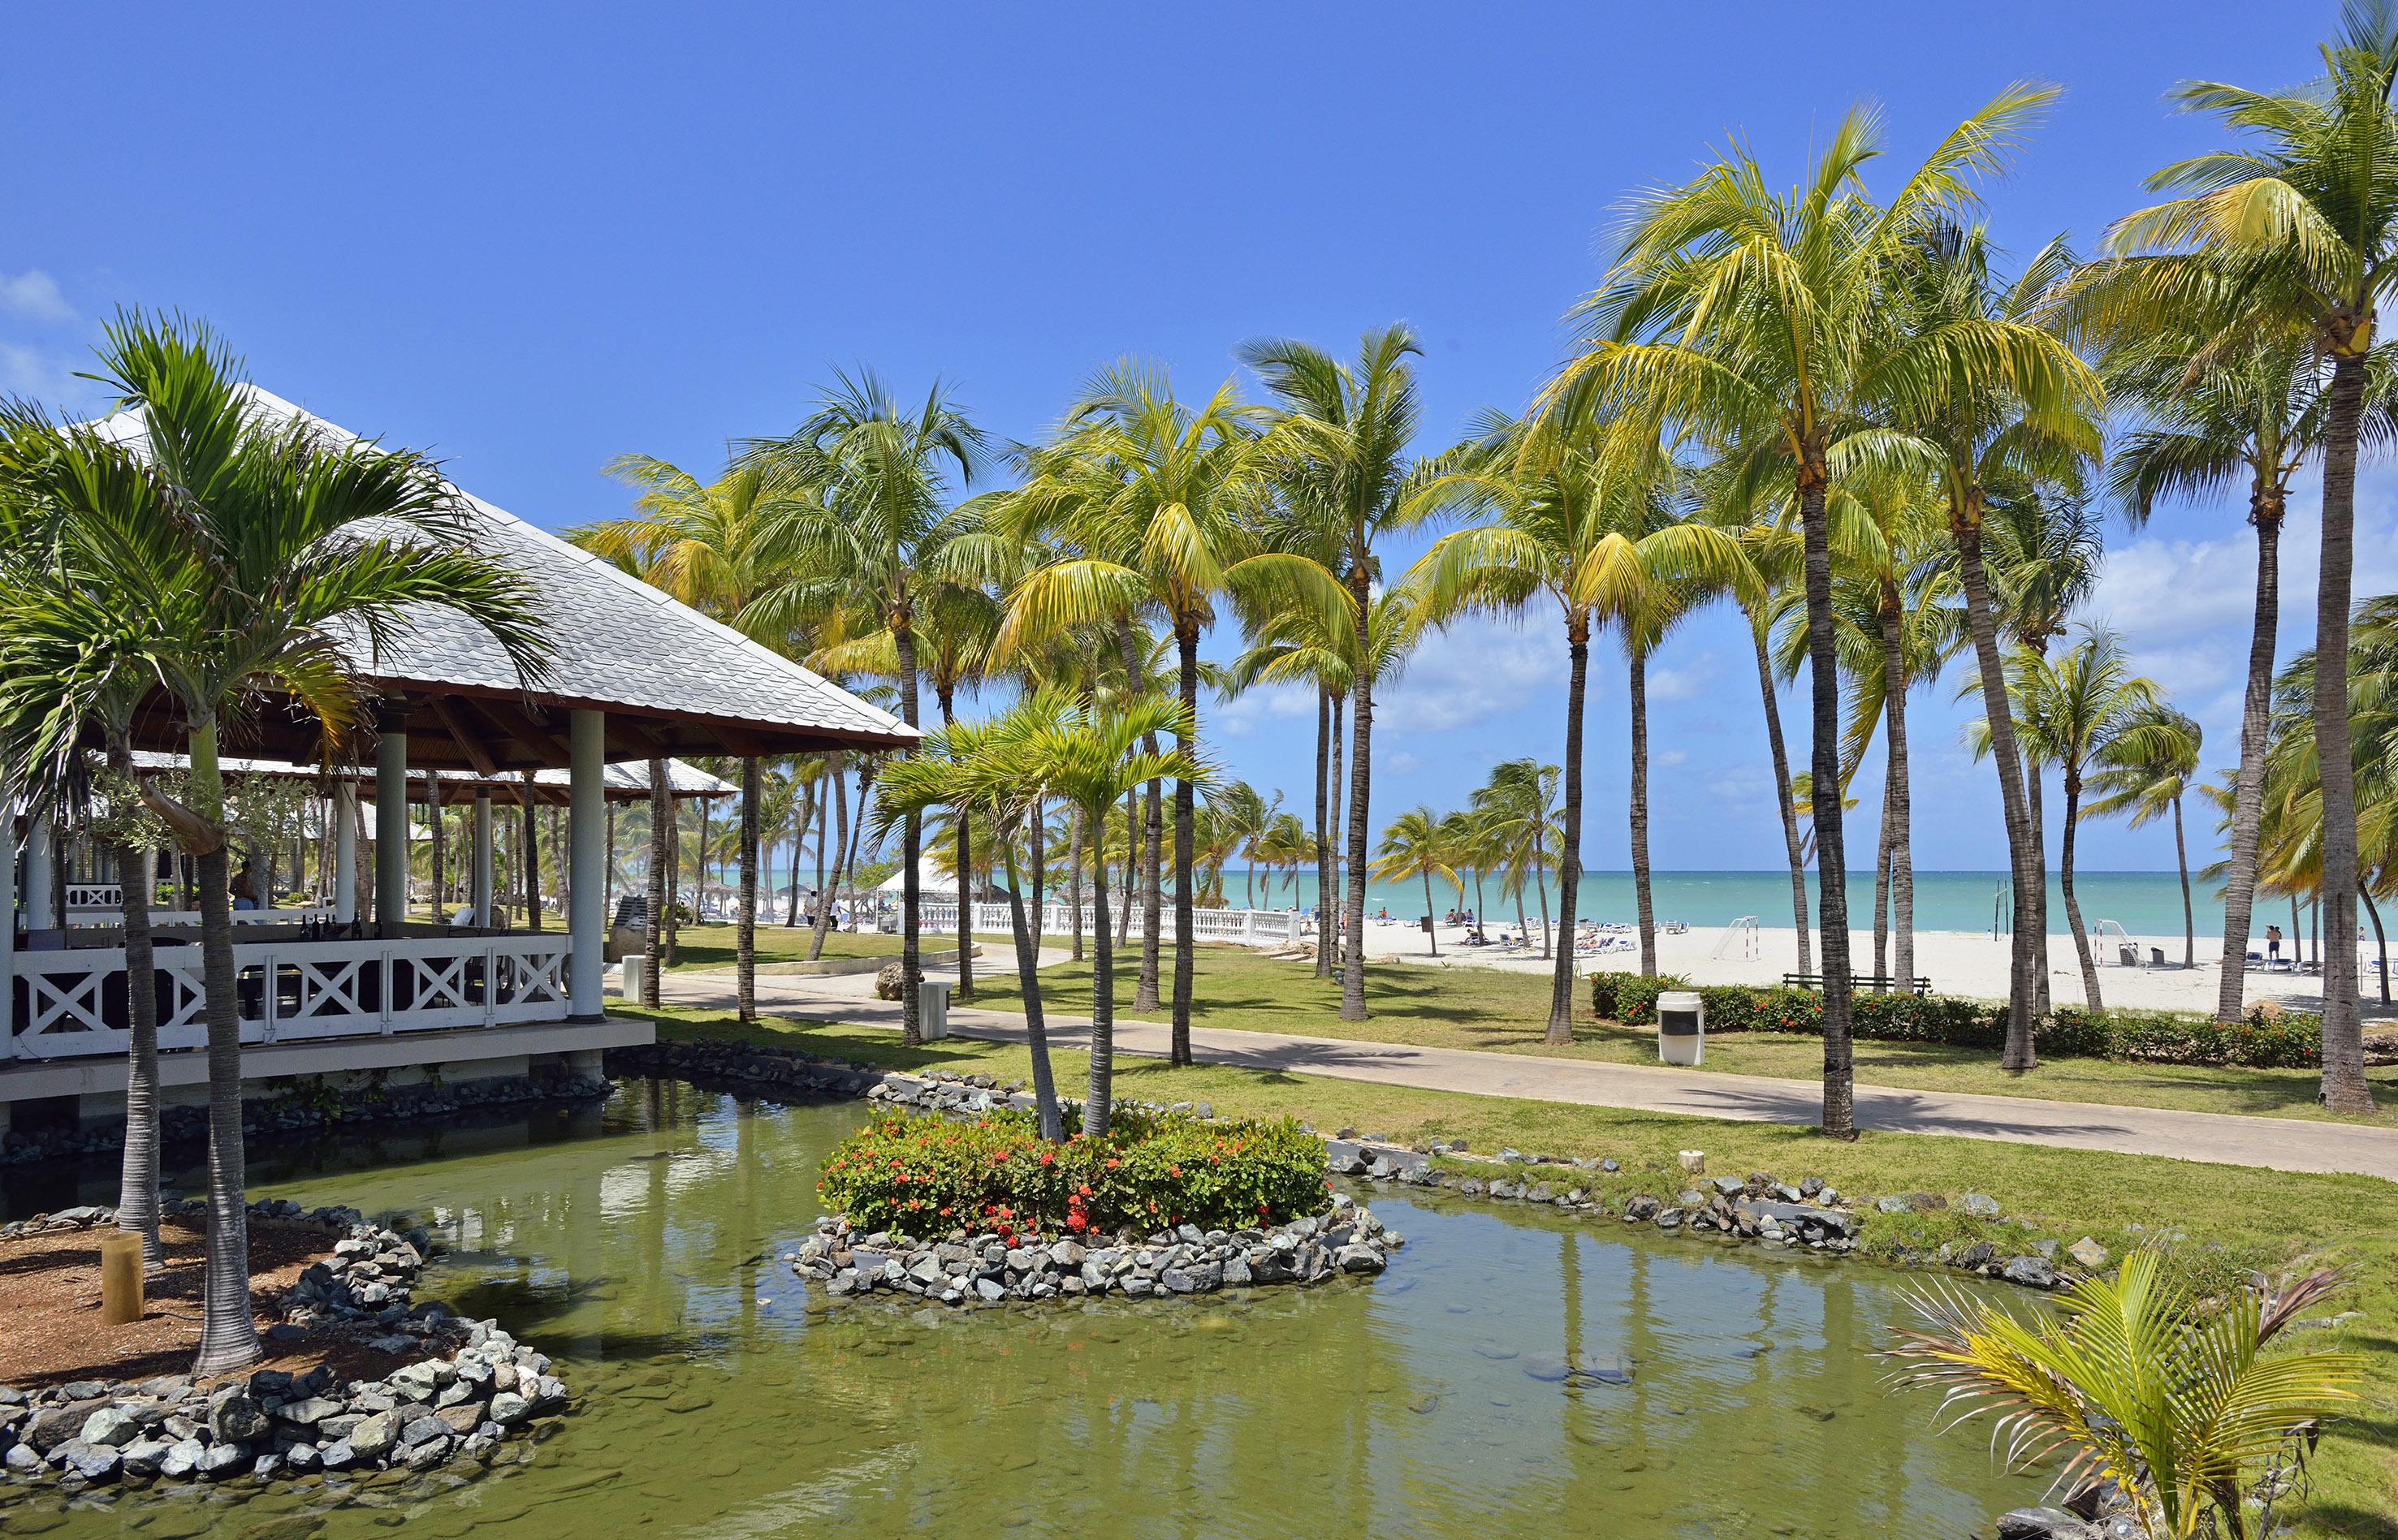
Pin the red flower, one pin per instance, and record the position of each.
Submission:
(1112, 1162)
(1047, 1159)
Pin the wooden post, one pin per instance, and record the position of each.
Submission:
(120, 1279)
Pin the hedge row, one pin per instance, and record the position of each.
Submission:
(2262, 1041)
(927, 1175)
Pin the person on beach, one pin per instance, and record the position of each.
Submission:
(2273, 944)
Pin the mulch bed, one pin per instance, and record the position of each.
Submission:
(49, 1300)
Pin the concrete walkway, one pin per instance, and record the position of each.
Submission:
(2283, 1143)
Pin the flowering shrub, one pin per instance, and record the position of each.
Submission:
(2266, 1039)
(925, 1175)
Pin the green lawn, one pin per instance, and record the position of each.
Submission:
(2261, 1219)
(711, 946)
(1505, 1012)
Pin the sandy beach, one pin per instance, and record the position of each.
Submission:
(1957, 962)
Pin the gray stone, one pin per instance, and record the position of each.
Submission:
(1359, 1259)
(111, 1428)
(2087, 1254)
(93, 1462)
(2043, 1523)
(431, 1452)
(2029, 1271)
(338, 1455)
(182, 1460)
(990, 1290)
(302, 1458)
(222, 1460)
(508, 1409)
(20, 1457)
(53, 1425)
(143, 1456)
(1980, 1205)
(235, 1419)
(309, 1411)
(1236, 1272)
(375, 1437)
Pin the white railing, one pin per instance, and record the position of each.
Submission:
(1247, 927)
(111, 911)
(71, 1004)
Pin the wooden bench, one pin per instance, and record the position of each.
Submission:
(1860, 984)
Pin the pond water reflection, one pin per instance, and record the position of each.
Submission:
(1513, 1373)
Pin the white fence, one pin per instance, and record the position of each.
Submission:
(1247, 927)
(72, 1003)
(104, 903)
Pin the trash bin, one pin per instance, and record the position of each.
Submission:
(1681, 1027)
(633, 990)
(933, 1008)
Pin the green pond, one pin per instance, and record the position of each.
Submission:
(639, 1244)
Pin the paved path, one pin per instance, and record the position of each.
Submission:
(2284, 1143)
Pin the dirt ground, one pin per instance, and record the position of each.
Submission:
(50, 1330)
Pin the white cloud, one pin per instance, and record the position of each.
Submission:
(1400, 763)
(1475, 670)
(1260, 707)
(37, 374)
(1687, 683)
(35, 296)
(1670, 759)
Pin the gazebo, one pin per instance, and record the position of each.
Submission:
(634, 676)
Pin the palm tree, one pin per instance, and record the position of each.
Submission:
(1154, 495)
(291, 549)
(2143, 773)
(1344, 479)
(2136, 1381)
(2216, 414)
(706, 543)
(1763, 324)
(1091, 757)
(879, 473)
(2304, 220)
(2069, 712)
(1241, 815)
(1582, 516)
(1778, 560)
(1519, 807)
(1419, 843)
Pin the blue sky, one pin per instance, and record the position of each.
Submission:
(532, 237)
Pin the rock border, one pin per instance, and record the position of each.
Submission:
(263, 1116)
(1759, 1208)
(475, 1386)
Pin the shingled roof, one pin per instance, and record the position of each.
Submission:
(673, 681)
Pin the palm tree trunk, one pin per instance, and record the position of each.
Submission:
(532, 854)
(1328, 898)
(2065, 881)
(1145, 994)
(1075, 879)
(1132, 862)
(1898, 795)
(2248, 787)
(806, 815)
(1881, 896)
(1186, 639)
(2034, 936)
(1361, 775)
(1028, 984)
(228, 1334)
(1561, 978)
(911, 849)
(2380, 942)
(836, 772)
(1782, 801)
(1644, 907)
(653, 935)
(1098, 1101)
(2189, 916)
(744, 923)
(1540, 880)
(948, 701)
(2344, 1088)
(1433, 932)
(1324, 834)
(1040, 838)
(1831, 845)
(1965, 525)
(137, 1188)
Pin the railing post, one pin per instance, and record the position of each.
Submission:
(383, 997)
(267, 999)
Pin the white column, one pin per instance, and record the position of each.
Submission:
(7, 927)
(345, 851)
(587, 814)
(391, 832)
(482, 872)
(40, 873)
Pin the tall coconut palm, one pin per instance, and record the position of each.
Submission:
(1419, 843)
(1763, 324)
(1775, 552)
(881, 475)
(1091, 757)
(1519, 809)
(2069, 713)
(1350, 468)
(707, 544)
(2143, 773)
(1576, 515)
(1158, 502)
(1242, 813)
(2218, 413)
(296, 550)
(2304, 217)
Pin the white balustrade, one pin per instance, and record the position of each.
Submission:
(114, 913)
(73, 1001)
(1247, 927)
